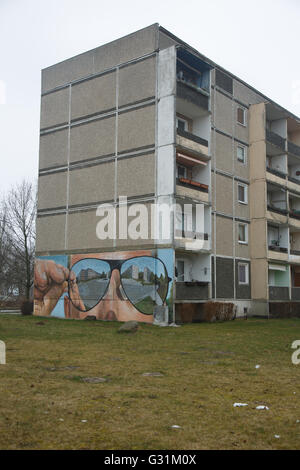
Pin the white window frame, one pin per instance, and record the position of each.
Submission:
(182, 261)
(186, 123)
(244, 124)
(241, 146)
(246, 265)
(177, 172)
(245, 186)
(243, 242)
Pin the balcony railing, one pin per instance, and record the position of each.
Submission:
(192, 94)
(295, 214)
(293, 148)
(295, 293)
(279, 293)
(193, 137)
(188, 183)
(293, 180)
(275, 139)
(276, 172)
(191, 234)
(295, 252)
(277, 209)
(280, 249)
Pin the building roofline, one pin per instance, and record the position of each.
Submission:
(211, 62)
(97, 47)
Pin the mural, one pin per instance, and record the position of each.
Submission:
(120, 286)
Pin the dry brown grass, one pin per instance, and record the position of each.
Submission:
(205, 367)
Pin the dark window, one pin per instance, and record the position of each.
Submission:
(224, 81)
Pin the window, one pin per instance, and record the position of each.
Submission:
(241, 154)
(180, 270)
(181, 171)
(241, 115)
(243, 233)
(182, 124)
(243, 273)
(242, 193)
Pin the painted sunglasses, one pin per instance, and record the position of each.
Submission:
(144, 282)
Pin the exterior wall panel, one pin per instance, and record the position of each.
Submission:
(137, 82)
(55, 109)
(136, 129)
(50, 233)
(92, 184)
(54, 149)
(136, 176)
(93, 96)
(94, 139)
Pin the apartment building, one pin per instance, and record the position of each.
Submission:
(149, 118)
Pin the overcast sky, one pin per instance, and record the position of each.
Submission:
(257, 40)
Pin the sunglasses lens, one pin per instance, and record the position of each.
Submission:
(92, 279)
(145, 282)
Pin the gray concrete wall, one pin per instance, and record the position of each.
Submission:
(224, 278)
(98, 60)
(97, 100)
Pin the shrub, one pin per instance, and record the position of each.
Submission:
(27, 307)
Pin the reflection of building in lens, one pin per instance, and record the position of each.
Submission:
(87, 274)
(132, 272)
(147, 274)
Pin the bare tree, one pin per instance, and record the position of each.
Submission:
(4, 248)
(20, 212)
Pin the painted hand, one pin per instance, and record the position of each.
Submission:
(50, 282)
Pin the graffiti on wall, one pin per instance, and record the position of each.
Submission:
(120, 286)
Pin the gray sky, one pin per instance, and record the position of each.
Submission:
(257, 40)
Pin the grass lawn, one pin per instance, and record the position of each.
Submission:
(205, 369)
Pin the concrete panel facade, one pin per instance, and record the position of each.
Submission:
(122, 50)
(136, 129)
(137, 81)
(55, 109)
(52, 190)
(93, 96)
(259, 279)
(136, 176)
(93, 139)
(81, 233)
(51, 233)
(224, 194)
(224, 278)
(224, 236)
(67, 71)
(223, 113)
(223, 153)
(54, 149)
(92, 184)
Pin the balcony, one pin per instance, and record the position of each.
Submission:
(278, 242)
(190, 241)
(276, 176)
(192, 189)
(193, 80)
(191, 290)
(275, 139)
(188, 142)
(276, 204)
(279, 293)
(193, 275)
(277, 210)
(276, 172)
(294, 149)
(192, 95)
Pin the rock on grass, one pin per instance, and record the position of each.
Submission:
(129, 327)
